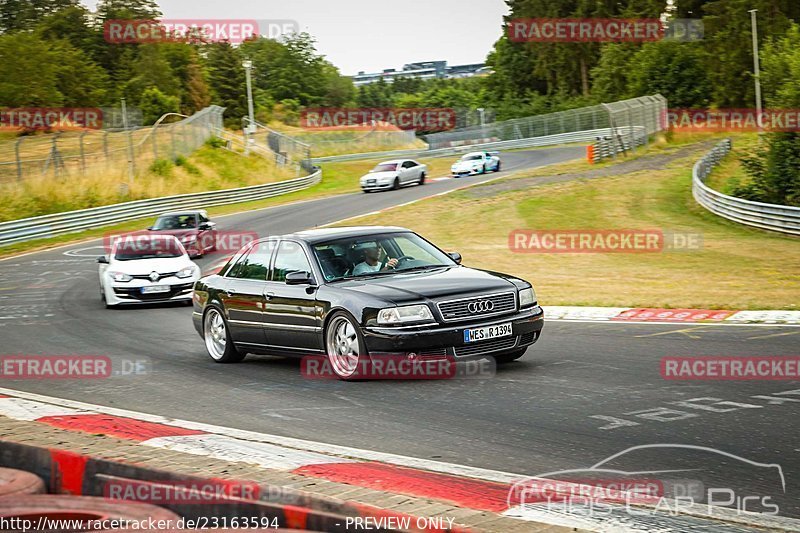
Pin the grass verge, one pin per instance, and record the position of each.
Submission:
(736, 268)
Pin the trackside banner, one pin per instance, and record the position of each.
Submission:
(423, 119)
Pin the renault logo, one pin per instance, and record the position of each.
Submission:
(154, 276)
(482, 306)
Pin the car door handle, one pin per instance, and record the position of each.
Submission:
(230, 292)
(269, 295)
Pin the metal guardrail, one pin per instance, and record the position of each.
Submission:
(780, 218)
(545, 140)
(624, 140)
(73, 221)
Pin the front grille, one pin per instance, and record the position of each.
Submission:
(489, 305)
(136, 292)
(482, 348)
(160, 276)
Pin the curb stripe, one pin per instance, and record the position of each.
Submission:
(463, 492)
(69, 470)
(115, 426)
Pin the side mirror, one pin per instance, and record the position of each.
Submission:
(298, 278)
(455, 256)
(103, 260)
(150, 228)
(204, 226)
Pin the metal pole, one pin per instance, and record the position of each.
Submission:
(131, 169)
(248, 65)
(83, 152)
(756, 65)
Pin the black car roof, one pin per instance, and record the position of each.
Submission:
(314, 236)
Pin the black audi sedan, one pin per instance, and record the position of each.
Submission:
(355, 294)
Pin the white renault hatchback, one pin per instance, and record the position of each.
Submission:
(144, 268)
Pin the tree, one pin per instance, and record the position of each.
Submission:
(18, 15)
(226, 79)
(154, 104)
(676, 70)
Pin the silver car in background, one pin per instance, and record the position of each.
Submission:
(393, 175)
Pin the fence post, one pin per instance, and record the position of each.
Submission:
(83, 153)
(19, 161)
(105, 145)
(155, 144)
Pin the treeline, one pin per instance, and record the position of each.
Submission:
(54, 53)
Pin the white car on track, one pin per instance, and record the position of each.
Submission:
(143, 268)
(476, 163)
(394, 174)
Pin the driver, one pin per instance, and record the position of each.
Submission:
(372, 262)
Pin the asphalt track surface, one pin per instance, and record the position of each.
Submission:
(586, 391)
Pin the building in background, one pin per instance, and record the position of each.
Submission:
(425, 70)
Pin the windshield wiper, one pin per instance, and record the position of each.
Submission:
(418, 268)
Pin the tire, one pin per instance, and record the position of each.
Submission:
(422, 179)
(343, 328)
(510, 356)
(485, 170)
(217, 338)
(498, 167)
(396, 184)
(17, 482)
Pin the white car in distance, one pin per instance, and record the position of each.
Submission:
(393, 175)
(144, 268)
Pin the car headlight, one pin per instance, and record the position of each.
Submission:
(409, 313)
(187, 272)
(120, 277)
(527, 297)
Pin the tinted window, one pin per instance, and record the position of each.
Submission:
(290, 258)
(409, 164)
(385, 167)
(175, 222)
(255, 264)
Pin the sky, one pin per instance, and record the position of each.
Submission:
(370, 35)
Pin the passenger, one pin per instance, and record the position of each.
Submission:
(372, 261)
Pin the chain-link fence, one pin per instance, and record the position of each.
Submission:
(648, 112)
(127, 152)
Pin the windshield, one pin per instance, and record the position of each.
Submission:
(472, 157)
(373, 255)
(175, 222)
(148, 247)
(385, 167)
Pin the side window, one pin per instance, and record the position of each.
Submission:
(408, 164)
(291, 258)
(202, 218)
(255, 264)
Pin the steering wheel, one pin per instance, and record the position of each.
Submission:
(399, 260)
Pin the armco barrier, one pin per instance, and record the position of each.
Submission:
(72, 221)
(67, 472)
(780, 218)
(545, 140)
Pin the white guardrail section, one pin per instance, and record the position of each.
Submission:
(545, 140)
(73, 221)
(780, 218)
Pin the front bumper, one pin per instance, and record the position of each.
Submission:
(467, 172)
(377, 186)
(131, 292)
(448, 339)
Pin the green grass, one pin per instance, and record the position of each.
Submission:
(736, 268)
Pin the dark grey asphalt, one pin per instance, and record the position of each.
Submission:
(584, 392)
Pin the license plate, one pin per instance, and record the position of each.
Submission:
(155, 289)
(489, 332)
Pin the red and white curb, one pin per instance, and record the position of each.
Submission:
(679, 316)
(463, 486)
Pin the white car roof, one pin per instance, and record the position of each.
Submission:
(473, 153)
